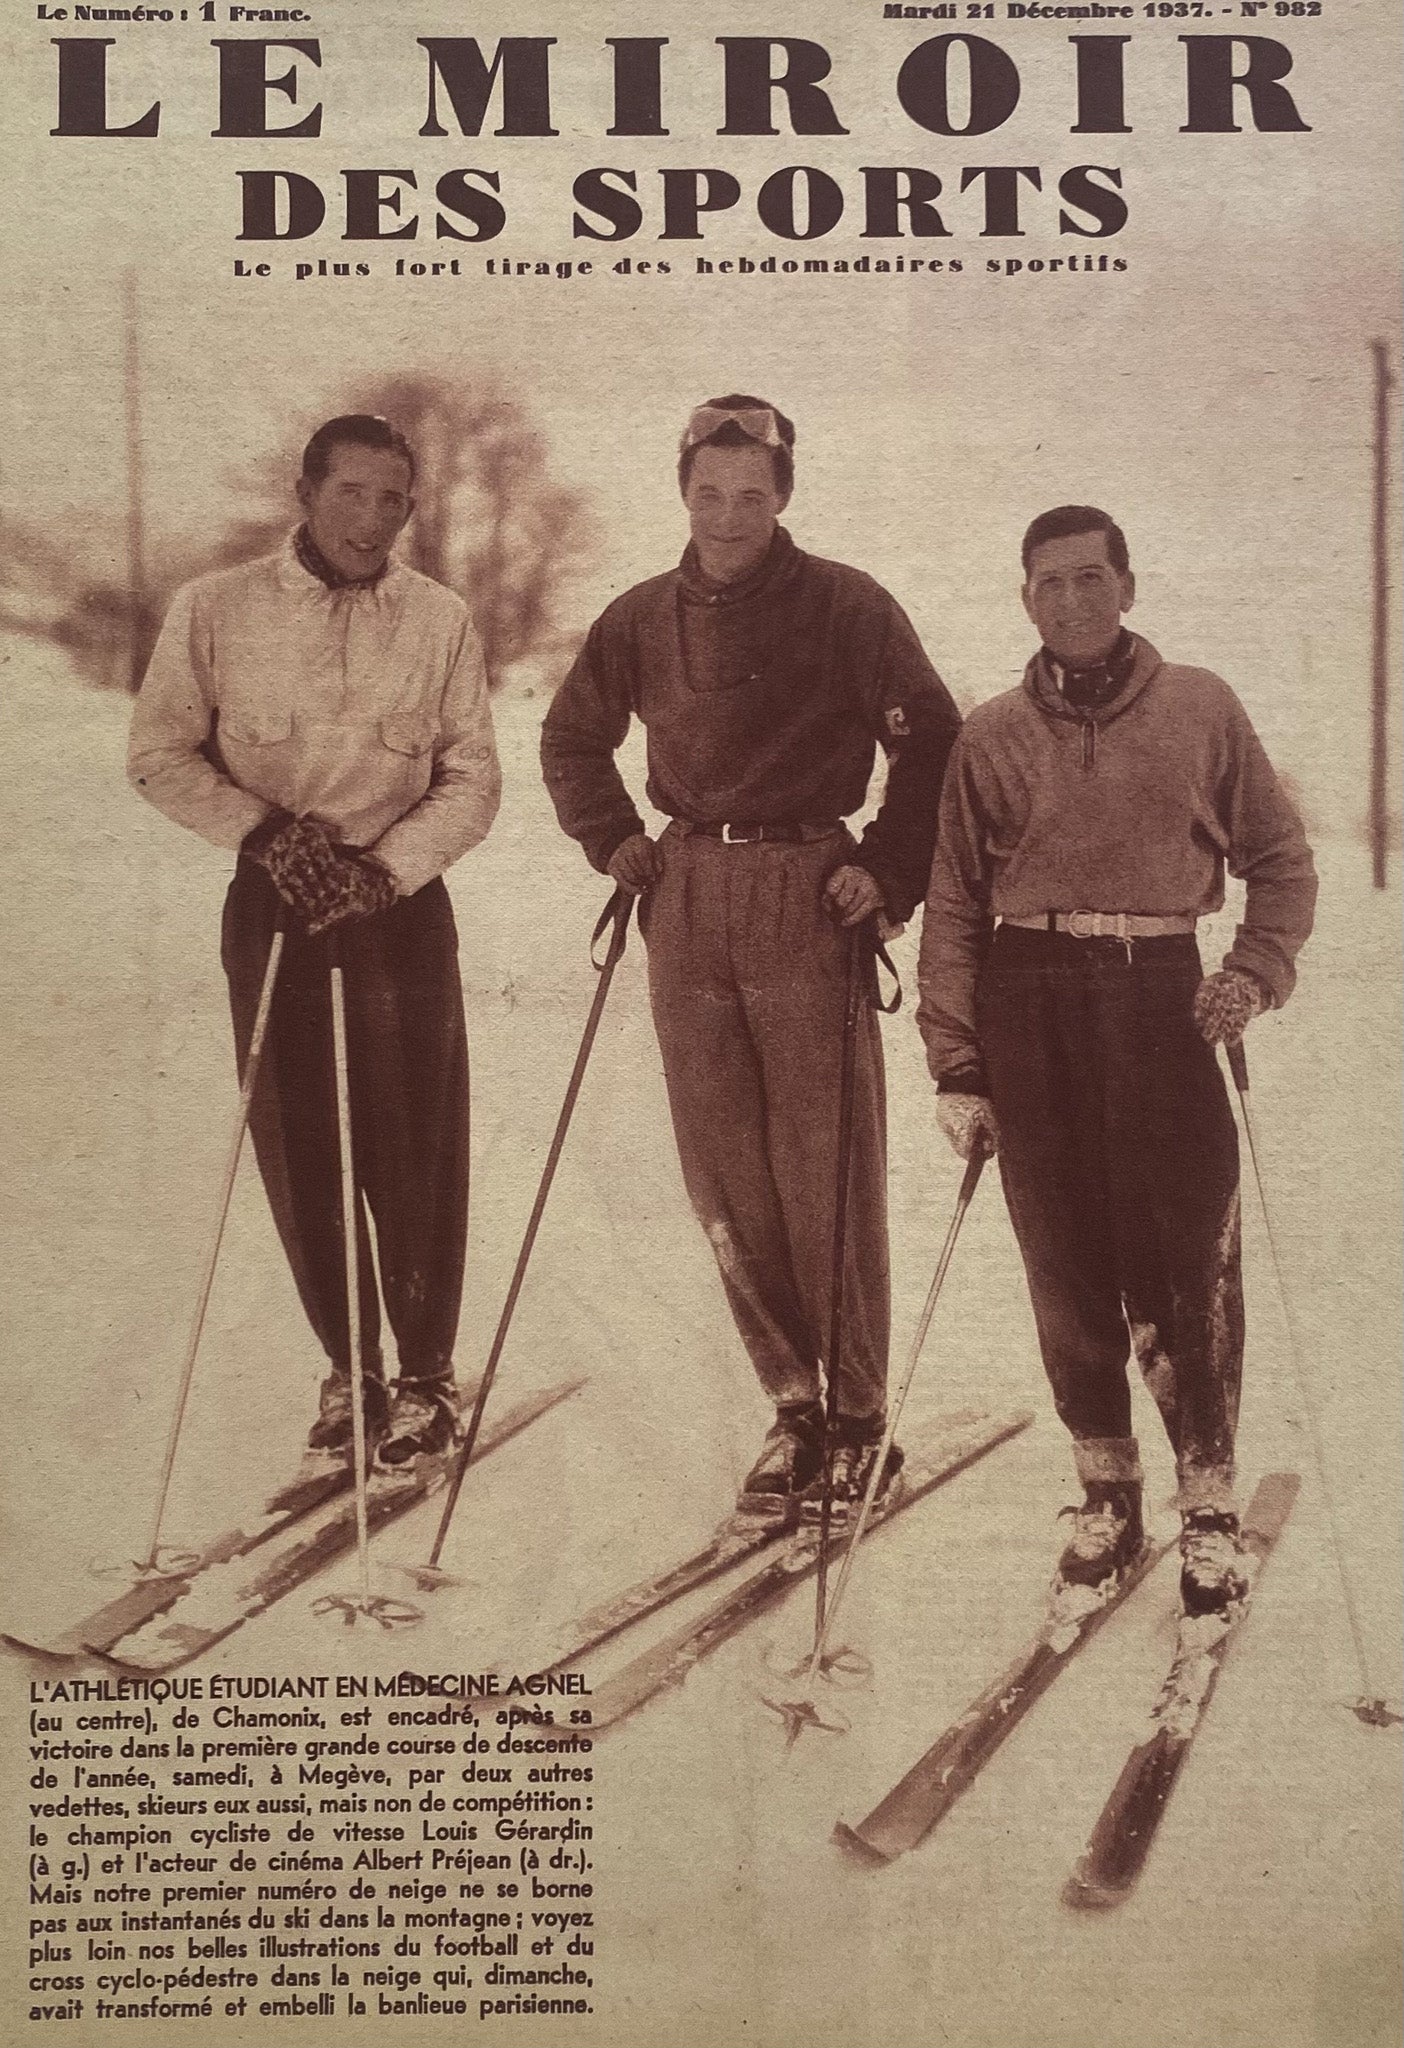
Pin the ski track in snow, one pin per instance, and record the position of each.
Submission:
(1267, 1912)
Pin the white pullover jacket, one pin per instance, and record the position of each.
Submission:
(366, 707)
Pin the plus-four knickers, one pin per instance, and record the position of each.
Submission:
(1119, 1158)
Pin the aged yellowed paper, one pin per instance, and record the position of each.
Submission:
(985, 258)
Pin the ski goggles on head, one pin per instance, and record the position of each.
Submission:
(757, 422)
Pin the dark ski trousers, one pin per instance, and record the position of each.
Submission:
(748, 978)
(1119, 1158)
(407, 1055)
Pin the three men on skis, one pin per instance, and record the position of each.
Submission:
(323, 713)
(1092, 812)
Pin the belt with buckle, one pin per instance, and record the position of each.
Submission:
(1104, 924)
(748, 835)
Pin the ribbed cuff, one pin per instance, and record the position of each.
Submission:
(1107, 1460)
(1276, 986)
(1206, 1486)
(255, 844)
(964, 1081)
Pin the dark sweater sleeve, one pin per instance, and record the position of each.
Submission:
(585, 725)
(1267, 849)
(916, 721)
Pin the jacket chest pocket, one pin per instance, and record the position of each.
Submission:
(253, 728)
(408, 733)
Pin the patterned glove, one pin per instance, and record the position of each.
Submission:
(1225, 1005)
(357, 886)
(966, 1121)
(298, 857)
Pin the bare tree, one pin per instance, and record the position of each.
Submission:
(488, 519)
(489, 522)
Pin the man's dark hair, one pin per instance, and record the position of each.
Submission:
(355, 430)
(729, 435)
(1066, 520)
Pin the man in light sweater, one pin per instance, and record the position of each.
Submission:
(766, 680)
(1092, 811)
(323, 713)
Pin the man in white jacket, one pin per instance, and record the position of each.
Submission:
(323, 713)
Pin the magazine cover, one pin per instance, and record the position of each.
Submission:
(702, 993)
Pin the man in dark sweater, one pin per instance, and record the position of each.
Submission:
(766, 679)
(1093, 811)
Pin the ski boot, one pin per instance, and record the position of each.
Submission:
(792, 1453)
(1212, 1574)
(1107, 1536)
(334, 1430)
(850, 1472)
(423, 1418)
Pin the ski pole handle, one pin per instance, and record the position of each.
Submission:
(974, 1167)
(881, 959)
(1238, 1063)
(616, 912)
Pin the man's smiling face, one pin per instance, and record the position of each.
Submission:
(733, 502)
(1076, 597)
(356, 512)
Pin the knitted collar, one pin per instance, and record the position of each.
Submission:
(316, 564)
(1097, 684)
(774, 568)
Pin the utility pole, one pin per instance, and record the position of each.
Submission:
(1379, 699)
(136, 564)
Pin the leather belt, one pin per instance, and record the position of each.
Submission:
(748, 835)
(1104, 924)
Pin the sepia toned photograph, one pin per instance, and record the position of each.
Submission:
(701, 1180)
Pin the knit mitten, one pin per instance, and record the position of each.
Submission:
(357, 886)
(299, 860)
(1225, 1005)
(968, 1121)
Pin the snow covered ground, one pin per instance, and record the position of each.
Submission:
(1269, 1910)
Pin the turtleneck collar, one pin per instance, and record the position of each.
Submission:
(774, 566)
(1087, 688)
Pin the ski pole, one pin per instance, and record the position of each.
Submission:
(848, 1060)
(231, 1167)
(352, 1246)
(800, 1711)
(1371, 1706)
(617, 913)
